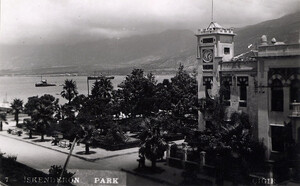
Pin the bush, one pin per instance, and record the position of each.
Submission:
(20, 133)
(11, 159)
(9, 131)
(55, 172)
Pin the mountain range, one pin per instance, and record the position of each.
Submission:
(153, 52)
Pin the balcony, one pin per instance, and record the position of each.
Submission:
(295, 110)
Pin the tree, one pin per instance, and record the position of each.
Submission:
(179, 98)
(43, 113)
(86, 135)
(153, 146)
(31, 104)
(231, 139)
(78, 102)
(29, 125)
(97, 108)
(184, 98)
(69, 90)
(17, 107)
(102, 89)
(138, 94)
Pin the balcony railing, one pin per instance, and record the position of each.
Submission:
(295, 110)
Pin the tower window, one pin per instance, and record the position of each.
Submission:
(242, 82)
(207, 89)
(208, 67)
(208, 40)
(207, 83)
(226, 50)
(243, 92)
(276, 95)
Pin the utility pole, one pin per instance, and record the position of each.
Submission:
(67, 161)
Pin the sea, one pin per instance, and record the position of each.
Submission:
(22, 87)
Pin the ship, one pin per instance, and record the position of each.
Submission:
(44, 83)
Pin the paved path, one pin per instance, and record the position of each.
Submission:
(42, 155)
(79, 151)
(42, 158)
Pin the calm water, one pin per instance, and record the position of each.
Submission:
(24, 87)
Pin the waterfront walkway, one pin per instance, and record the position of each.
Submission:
(79, 150)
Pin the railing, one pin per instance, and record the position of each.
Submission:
(295, 110)
(181, 160)
(279, 50)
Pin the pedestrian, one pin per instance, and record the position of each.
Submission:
(70, 145)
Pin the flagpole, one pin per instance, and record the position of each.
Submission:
(212, 11)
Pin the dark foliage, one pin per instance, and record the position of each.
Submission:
(138, 94)
(17, 107)
(56, 170)
(69, 91)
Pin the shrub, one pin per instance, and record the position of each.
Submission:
(55, 172)
(9, 131)
(20, 133)
(11, 159)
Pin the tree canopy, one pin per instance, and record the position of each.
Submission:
(138, 94)
(17, 107)
(69, 90)
(42, 111)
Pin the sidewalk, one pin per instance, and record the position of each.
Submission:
(79, 151)
(168, 176)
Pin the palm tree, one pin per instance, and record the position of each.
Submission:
(43, 114)
(102, 89)
(69, 90)
(29, 125)
(86, 135)
(2, 118)
(17, 107)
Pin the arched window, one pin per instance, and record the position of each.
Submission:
(295, 91)
(207, 89)
(276, 95)
(226, 93)
(243, 82)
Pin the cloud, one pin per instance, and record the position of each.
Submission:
(40, 21)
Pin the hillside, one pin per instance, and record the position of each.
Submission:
(286, 29)
(159, 51)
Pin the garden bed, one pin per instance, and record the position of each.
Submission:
(132, 142)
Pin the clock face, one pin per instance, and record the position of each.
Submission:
(207, 55)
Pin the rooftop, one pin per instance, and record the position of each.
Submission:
(277, 50)
(215, 28)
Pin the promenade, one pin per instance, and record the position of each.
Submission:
(42, 155)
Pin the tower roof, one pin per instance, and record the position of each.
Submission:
(214, 25)
(215, 28)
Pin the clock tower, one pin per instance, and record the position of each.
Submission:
(214, 44)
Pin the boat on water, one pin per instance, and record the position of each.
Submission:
(44, 83)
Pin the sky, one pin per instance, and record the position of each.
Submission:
(54, 21)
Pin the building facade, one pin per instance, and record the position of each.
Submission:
(264, 83)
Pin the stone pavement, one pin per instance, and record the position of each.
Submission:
(168, 176)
